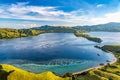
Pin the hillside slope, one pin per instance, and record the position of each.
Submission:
(9, 72)
(8, 33)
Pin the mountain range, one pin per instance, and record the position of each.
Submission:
(112, 26)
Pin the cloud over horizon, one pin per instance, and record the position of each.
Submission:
(53, 15)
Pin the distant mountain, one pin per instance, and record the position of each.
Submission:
(57, 29)
(112, 26)
(43, 27)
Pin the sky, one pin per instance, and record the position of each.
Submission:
(35, 13)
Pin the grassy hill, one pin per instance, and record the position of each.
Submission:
(8, 33)
(55, 29)
(8, 72)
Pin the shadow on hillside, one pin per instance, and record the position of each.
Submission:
(4, 74)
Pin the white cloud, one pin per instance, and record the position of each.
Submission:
(109, 17)
(24, 11)
(50, 13)
(1, 10)
(20, 25)
(100, 5)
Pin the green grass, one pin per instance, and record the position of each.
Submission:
(9, 72)
(8, 33)
(91, 38)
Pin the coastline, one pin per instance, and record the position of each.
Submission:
(97, 67)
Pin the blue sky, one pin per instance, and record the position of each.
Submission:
(34, 13)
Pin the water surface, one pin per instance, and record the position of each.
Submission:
(107, 37)
(57, 52)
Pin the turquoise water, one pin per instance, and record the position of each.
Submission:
(57, 52)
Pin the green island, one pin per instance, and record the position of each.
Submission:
(9, 33)
(79, 33)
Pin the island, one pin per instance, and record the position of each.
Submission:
(9, 33)
(80, 33)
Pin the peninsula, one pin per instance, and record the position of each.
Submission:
(79, 33)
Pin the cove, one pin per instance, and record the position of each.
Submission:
(56, 52)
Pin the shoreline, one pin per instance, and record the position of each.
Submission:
(97, 67)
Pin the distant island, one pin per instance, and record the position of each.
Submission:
(8, 33)
(79, 33)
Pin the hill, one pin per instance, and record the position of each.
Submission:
(112, 26)
(8, 33)
(8, 72)
(55, 29)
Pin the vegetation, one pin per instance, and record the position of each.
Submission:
(29, 32)
(8, 33)
(55, 29)
(8, 72)
(109, 72)
(79, 33)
